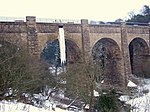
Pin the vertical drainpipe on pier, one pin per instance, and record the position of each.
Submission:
(85, 40)
(125, 53)
(62, 46)
(32, 37)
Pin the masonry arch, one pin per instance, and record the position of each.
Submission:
(73, 51)
(139, 57)
(107, 53)
(43, 39)
(51, 52)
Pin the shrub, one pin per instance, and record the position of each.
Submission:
(108, 103)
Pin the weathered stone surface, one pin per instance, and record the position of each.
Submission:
(32, 39)
(125, 52)
(35, 35)
(85, 39)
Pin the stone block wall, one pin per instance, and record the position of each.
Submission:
(34, 36)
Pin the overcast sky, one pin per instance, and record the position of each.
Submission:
(103, 10)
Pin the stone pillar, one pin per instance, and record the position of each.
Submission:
(32, 38)
(85, 39)
(125, 52)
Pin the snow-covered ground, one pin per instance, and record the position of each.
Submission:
(6, 106)
(141, 101)
(48, 106)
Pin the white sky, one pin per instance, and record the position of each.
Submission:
(103, 10)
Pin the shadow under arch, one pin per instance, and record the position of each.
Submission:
(139, 57)
(51, 52)
(106, 52)
(73, 52)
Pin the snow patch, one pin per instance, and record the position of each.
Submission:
(96, 94)
(124, 98)
(102, 81)
(87, 106)
(141, 101)
(131, 84)
(6, 106)
(140, 104)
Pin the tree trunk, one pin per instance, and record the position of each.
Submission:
(91, 99)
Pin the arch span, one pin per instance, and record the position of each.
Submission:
(51, 52)
(107, 53)
(139, 57)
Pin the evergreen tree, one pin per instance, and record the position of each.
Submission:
(144, 17)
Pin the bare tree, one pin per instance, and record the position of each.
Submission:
(20, 73)
(81, 81)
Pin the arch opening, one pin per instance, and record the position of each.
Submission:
(51, 53)
(139, 57)
(106, 52)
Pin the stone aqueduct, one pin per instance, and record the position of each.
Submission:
(126, 46)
